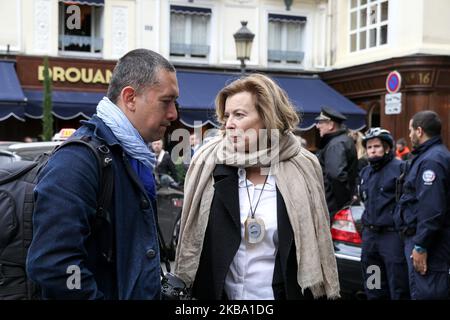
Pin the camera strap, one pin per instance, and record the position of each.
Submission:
(165, 254)
(172, 287)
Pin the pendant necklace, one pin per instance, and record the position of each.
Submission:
(254, 227)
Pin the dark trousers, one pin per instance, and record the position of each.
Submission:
(385, 251)
(434, 284)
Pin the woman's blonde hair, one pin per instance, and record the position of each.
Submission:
(271, 102)
(357, 137)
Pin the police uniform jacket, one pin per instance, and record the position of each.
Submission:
(377, 190)
(424, 204)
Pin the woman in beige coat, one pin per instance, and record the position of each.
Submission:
(255, 223)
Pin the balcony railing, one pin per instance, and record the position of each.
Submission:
(286, 56)
(189, 49)
(80, 43)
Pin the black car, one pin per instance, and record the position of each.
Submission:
(346, 230)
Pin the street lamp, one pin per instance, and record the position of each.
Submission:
(243, 39)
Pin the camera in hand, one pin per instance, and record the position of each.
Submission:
(173, 288)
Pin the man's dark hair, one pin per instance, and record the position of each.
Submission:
(137, 69)
(401, 141)
(429, 121)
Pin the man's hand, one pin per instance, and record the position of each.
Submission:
(419, 261)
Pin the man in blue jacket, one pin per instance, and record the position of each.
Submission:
(423, 210)
(381, 243)
(139, 106)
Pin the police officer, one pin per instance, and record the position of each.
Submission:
(423, 209)
(381, 243)
(338, 159)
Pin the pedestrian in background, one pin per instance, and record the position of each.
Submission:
(361, 154)
(402, 151)
(194, 141)
(381, 242)
(139, 106)
(423, 212)
(338, 159)
(164, 163)
(255, 223)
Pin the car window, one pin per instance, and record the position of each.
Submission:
(30, 155)
(5, 144)
(5, 159)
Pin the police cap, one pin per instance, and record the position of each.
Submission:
(328, 113)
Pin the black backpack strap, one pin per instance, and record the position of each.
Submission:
(17, 169)
(103, 221)
(103, 224)
(399, 182)
(104, 158)
(28, 208)
(164, 253)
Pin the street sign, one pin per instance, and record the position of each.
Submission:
(393, 103)
(393, 82)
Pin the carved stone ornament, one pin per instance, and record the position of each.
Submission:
(119, 31)
(42, 9)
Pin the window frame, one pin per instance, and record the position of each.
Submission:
(94, 23)
(355, 35)
(188, 37)
(284, 40)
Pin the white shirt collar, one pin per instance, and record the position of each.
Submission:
(161, 156)
(242, 174)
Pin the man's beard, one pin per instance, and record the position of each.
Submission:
(415, 141)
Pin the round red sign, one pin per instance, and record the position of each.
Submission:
(393, 82)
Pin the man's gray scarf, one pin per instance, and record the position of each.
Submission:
(129, 138)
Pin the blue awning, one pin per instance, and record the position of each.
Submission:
(85, 2)
(198, 91)
(190, 10)
(310, 94)
(8, 110)
(65, 104)
(12, 99)
(286, 18)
